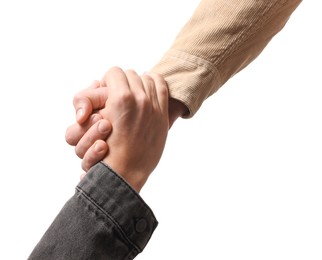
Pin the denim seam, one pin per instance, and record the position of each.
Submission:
(137, 196)
(92, 201)
(129, 186)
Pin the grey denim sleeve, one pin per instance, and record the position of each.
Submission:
(105, 219)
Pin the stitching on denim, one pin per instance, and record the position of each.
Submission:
(132, 190)
(135, 194)
(83, 193)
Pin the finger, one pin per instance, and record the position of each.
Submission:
(81, 114)
(95, 84)
(150, 90)
(94, 154)
(116, 82)
(136, 84)
(99, 131)
(162, 92)
(76, 131)
(88, 100)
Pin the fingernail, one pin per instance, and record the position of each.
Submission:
(97, 148)
(95, 117)
(103, 127)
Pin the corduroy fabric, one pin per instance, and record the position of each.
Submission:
(220, 39)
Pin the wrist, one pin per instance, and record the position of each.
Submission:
(176, 109)
(135, 178)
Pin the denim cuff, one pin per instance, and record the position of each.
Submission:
(117, 200)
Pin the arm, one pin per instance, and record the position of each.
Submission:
(106, 218)
(221, 38)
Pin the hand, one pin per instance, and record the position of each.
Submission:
(91, 129)
(87, 101)
(137, 108)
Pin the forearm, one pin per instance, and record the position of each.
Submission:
(220, 39)
(105, 219)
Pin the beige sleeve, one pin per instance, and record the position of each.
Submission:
(220, 39)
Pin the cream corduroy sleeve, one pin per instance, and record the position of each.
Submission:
(221, 38)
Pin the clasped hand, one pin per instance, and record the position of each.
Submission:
(123, 121)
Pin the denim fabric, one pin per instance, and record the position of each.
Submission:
(105, 219)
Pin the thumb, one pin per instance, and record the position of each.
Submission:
(88, 100)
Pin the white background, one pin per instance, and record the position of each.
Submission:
(240, 180)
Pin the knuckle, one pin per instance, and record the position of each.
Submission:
(125, 98)
(78, 98)
(157, 76)
(142, 101)
(163, 90)
(148, 82)
(114, 69)
(130, 72)
(111, 72)
(147, 77)
(96, 84)
(160, 80)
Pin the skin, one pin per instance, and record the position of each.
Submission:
(89, 133)
(137, 108)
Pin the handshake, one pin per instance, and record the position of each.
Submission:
(123, 121)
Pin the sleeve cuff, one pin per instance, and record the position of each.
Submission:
(190, 79)
(120, 203)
